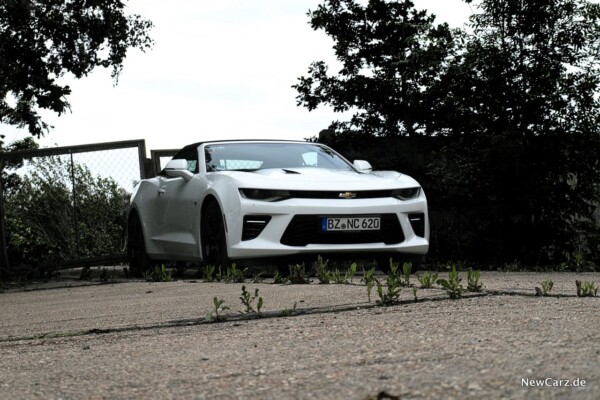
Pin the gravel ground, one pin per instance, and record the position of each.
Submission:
(147, 340)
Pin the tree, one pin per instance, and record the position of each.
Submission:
(390, 53)
(43, 40)
(510, 110)
(522, 96)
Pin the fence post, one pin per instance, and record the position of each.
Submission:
(142, 158)
(5, 266)
(75, 207)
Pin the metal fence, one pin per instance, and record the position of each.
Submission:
(161, 157)
(66, 206)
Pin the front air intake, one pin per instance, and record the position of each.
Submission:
(254, 225)
(417, 221)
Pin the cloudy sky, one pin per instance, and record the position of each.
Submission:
(218, 70)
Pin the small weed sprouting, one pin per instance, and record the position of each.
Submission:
(257, 278)
(86, 274)
(215, 315)
(473, 284)
(586, 289)
(414, 289)
(108, 276)
(158, 274)
(247, 301)
(581, 264)
(452, 285)
(428, 279)
(392, 294)
(298, 275)
(323, 273)
(339, 278)
(369, 280)
(287, 312)
(351, 273)
(208, 273)
(279, 279)
(234, 275)
(406, 270)
(547, 286)
(345, 279)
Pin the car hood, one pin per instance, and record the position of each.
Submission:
(320, 179)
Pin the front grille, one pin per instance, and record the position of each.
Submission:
(417, 221)
(329, 194)
(254, 225)
(306, 229)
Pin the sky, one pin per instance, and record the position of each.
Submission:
(218, 70)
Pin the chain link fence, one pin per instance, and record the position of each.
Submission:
(66, 206)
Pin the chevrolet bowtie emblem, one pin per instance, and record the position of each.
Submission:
(347, 195)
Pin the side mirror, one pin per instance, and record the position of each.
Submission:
(178, 168)
(362, 166)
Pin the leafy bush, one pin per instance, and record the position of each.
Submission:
(46, 222)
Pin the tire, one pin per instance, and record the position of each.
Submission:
(139, 262)
(214, 242)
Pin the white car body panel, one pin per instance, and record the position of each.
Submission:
(170, 209)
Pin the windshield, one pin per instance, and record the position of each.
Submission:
(255, 156)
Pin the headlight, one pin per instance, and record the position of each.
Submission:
(265, 194)
(406, 194)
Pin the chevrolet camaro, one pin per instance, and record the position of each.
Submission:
(273, 202)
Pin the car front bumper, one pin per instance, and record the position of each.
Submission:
(268, 242)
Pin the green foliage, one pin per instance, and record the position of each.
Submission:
(279, 279)
(406, 270)
(233, 275)
(322, 268)
(208, 274)
(369, 281)
(43, 225)
(473, 284)
(351, 272)
(547, 286)
(247, 301)
(298, 275)
(414, 290)
(428, 279)
(586, 289)
(287, 312)
(452, 285)
(41, 41)
(257, 277)
(216, 313)
(391, 294)
(402, 52)
(500, 119)
(158, 274)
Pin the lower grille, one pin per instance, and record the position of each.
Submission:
(306, 229)
(254, 225)
(417, 221)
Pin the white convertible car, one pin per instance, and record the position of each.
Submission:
(273, 202)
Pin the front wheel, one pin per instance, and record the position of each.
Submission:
(214, 242)
(139, 262)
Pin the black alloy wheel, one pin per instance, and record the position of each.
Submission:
(139, 262)
(214, 242)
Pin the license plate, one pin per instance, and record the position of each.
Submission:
(336, 224)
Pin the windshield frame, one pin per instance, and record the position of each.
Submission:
(243, 156)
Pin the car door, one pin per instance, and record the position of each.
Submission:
(176, 209)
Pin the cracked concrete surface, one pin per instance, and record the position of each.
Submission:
(149, 340)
